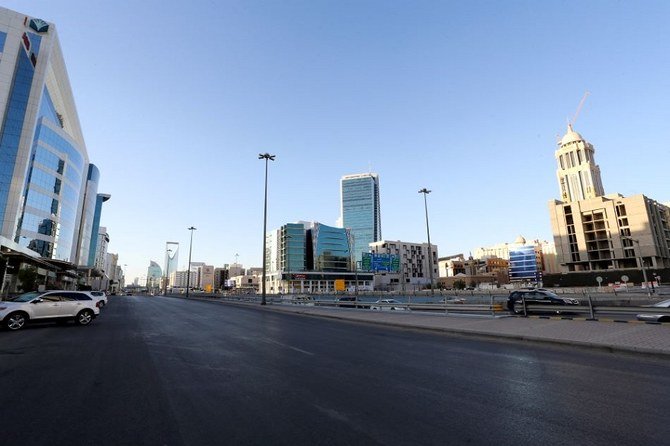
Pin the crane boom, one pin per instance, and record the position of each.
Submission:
(579, 108)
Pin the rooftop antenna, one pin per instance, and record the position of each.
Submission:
(236, 256)
(579, 108)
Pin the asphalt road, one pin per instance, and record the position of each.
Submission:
(163, 371)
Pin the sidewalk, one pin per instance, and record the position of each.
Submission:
(617, 337)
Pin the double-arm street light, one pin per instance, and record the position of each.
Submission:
(188, 271)
(425, 192)
(267, 157)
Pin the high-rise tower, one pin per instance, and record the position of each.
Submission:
(361, 210)
(578, 174)
(44, 165)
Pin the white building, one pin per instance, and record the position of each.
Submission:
(178, 279)
(414, 267)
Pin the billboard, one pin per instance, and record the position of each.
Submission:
(380, 262)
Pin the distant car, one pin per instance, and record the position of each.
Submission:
(60, 306)
(350, 302)
(651, 317)
(99, 296)
(537, 297)
(303, 300)
(389, 304)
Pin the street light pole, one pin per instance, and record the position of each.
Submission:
(425, 192)
(644, 271)
(188, 272)
(267, 157)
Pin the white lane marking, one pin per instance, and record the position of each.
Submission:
(272, 341)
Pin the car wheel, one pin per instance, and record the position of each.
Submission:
(15, 321)
(84, 317)
(664, 319)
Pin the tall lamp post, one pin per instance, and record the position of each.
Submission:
(644, 271)
(425, 192)
(267, 157)
(188, 272)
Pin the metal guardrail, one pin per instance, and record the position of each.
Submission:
(492, 308)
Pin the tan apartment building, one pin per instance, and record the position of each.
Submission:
(594, 231)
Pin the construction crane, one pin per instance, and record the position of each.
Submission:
(579, 108)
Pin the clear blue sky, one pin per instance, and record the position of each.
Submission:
(177, 99)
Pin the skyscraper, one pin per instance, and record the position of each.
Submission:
(360, 210)
(44, 165)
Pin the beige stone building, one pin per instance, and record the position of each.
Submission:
(594, 231)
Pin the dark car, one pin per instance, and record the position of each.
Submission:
(350, 302)
(537, 297)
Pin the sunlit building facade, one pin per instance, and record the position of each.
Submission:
(594, 231)
(44, 168)
(361, 210)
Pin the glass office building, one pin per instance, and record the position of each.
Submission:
(524, 265)
(329, 248)
(292, 241)
(44, 165)
(360, 210)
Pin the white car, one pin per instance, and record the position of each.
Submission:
(60, 306)
(656, 317)
(99, 296)
(388, 304)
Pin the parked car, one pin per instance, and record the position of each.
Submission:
(656, 317)
(100, 297)
(538, 297)
(60, 306)
(389, 304)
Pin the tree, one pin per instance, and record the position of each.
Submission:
(459, 284)
(28, 278)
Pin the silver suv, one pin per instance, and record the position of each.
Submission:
(59, 306)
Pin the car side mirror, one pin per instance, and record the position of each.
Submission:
(36, 301)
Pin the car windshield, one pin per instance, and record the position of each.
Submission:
(25, 297)
(663, 303)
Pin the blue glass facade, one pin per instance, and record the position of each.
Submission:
(44, 168)
(53, 190)
(523, 265)
(99, 199)
(329, 249)
(88, 216)
(12, 126)
(293, 247)
(361, 210)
